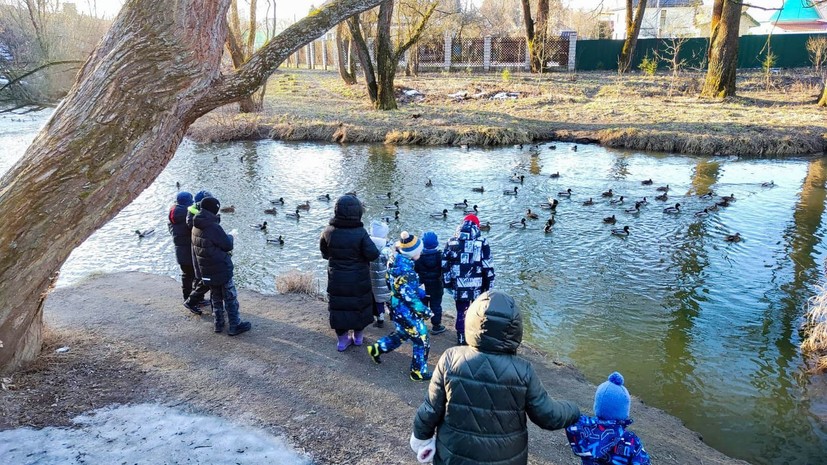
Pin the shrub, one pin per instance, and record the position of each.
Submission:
(297, 282)
(506, 75)
(815, 344)
(817, 48)
(648, 65)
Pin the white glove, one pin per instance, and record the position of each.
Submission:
(234, 232)
(424, 449)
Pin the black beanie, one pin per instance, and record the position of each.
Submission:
(211, 204)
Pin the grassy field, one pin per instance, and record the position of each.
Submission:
(659, 113)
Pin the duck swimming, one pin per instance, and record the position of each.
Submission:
(643, 201)
(517, 224)
(395, 206)
(485, 226)
(663, 188)
(444, 214)
(722, 203)
(383, 197)
(567, 193)
(548, 226)
(616, 201)
(673, 210)
(554, 175)
(388, 219)
(708, 196)
(531, 215)
(610, 220)
(429, 184)
(728, 198)
(510, 192)
(324, 198)
(230, 209)
(608, 193)
(295, 215)
(621, 232)
(702, 214)
(647, 182)
(260, 227)
(478, 189)
(279, 241)
(473, 210)
(278, 201)
(143, 234)
(518, 179)
(588, 202)
(663, 197)
(768, 184)
(733, 237)
(270, 211)
(462, 204)
(304, 206)
(633, 210)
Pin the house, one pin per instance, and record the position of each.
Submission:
(672, 18)
(795, 17)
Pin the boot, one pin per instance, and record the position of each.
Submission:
(461, 339)
(218, 315)
(344, 342)
(417, 375)
(375, 352)
(358, 336)
(241, 327)
(236, 326)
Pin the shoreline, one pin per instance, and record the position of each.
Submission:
(131, 341)
(631, 112)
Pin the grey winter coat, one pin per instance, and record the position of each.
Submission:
(378, 269)
(480, 394)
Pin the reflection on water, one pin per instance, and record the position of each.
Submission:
(704, 329)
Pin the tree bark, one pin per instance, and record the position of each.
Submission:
(154, 73)
(624, 62)
(536, 33)
(385, 58)
(363, 53)
(723, 53)
(822, 102)
(345, 69)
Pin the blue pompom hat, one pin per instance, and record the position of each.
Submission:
(201, 195)
(184, 199)
(611, 401)
(430, 240)
(409, 245)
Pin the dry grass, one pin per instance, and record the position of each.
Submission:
(659, 113)
(296, 282)
(815, 344)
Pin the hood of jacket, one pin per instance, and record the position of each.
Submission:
(400, 265)
(347, 212)
(493, 323)
(205, 218)
(468, 231)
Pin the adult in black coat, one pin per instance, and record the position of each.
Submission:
(347, 247)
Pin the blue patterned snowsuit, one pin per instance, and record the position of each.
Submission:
(409, 313)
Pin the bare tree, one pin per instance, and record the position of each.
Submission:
(633, 22)
(344, 50)
(536, 32)
(722, 64)
(155, 72)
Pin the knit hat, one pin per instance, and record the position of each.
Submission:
(379, 229)
(184, 199)
(409, 245)
(611, 401)
(211, 204)
(201, 195)
(472, 218)
(429, 240)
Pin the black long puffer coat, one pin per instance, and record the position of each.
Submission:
(181, 234)
(212, 247)
(480, 394)
(349, 250)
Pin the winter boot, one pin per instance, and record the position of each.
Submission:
(439, 329)
(241, 327)
(461, 339)
(218, 317)
(380, 320)
(358, 337)
(192, 308)
(417, 375)
(236, 326)
(344, 342)
(375, 353)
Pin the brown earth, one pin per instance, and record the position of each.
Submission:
(659, 113)
(131, 341)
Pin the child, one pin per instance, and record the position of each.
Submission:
(378, 270)
(602, 439)
(429, 269)
(212, 248)
(182, 240)
(466, 268)
(480, 395)
(407, 309)
(199, 289)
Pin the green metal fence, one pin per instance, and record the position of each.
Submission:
(789, 49)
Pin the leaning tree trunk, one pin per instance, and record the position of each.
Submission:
(364, 58)
(723, 56)
(154, 73)
(624, 62)
(386, 61)
(345, 66)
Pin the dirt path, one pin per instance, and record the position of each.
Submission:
(131, 341)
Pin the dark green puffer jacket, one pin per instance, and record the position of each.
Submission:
(480, 394)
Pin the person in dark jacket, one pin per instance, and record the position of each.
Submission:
(199, 289)
(429, 269)
(182, 240)
(467, 269)
(347, 247)
(476, 406)
(212, 252)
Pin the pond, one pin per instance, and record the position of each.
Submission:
(705, 329)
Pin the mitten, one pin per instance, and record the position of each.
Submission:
(424, 449)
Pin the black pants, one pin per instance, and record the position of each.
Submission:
(187, 278)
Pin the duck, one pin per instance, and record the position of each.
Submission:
(230, 209)
(722, 203)
(143, 234)
(178, 185)
(673, 210)
(303, 206)
(553, 203)
(395, 206)
(215, 159)
(510, 192)
(643, 201)
(531, 215)
(518, 179)
(278, 201)
(384, 196)
(462, 204)
(480, 189)
(768, 184)
(485, 226)
(443, 214)
(295, 215)
(473, 210)
(708, 196)
(547, 227)
(465, 147)
(647, 182)
(517, 224)
(388, 219)
(574, 148)
(270, 211)
(621, 232)
(429, 184)
(567, 193)
(610, 220)
(702, 214)
(353, 193)
(663, 188)
(552, 147)
(712, 208)
(728, 198)
(279, 241)
(588, 203)
(633, 210)
(617, 201)
(733, 237)
(518, 146)
(663, 197)
(324, 198)
(260, 227)
(554, 175)
(608, 193)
